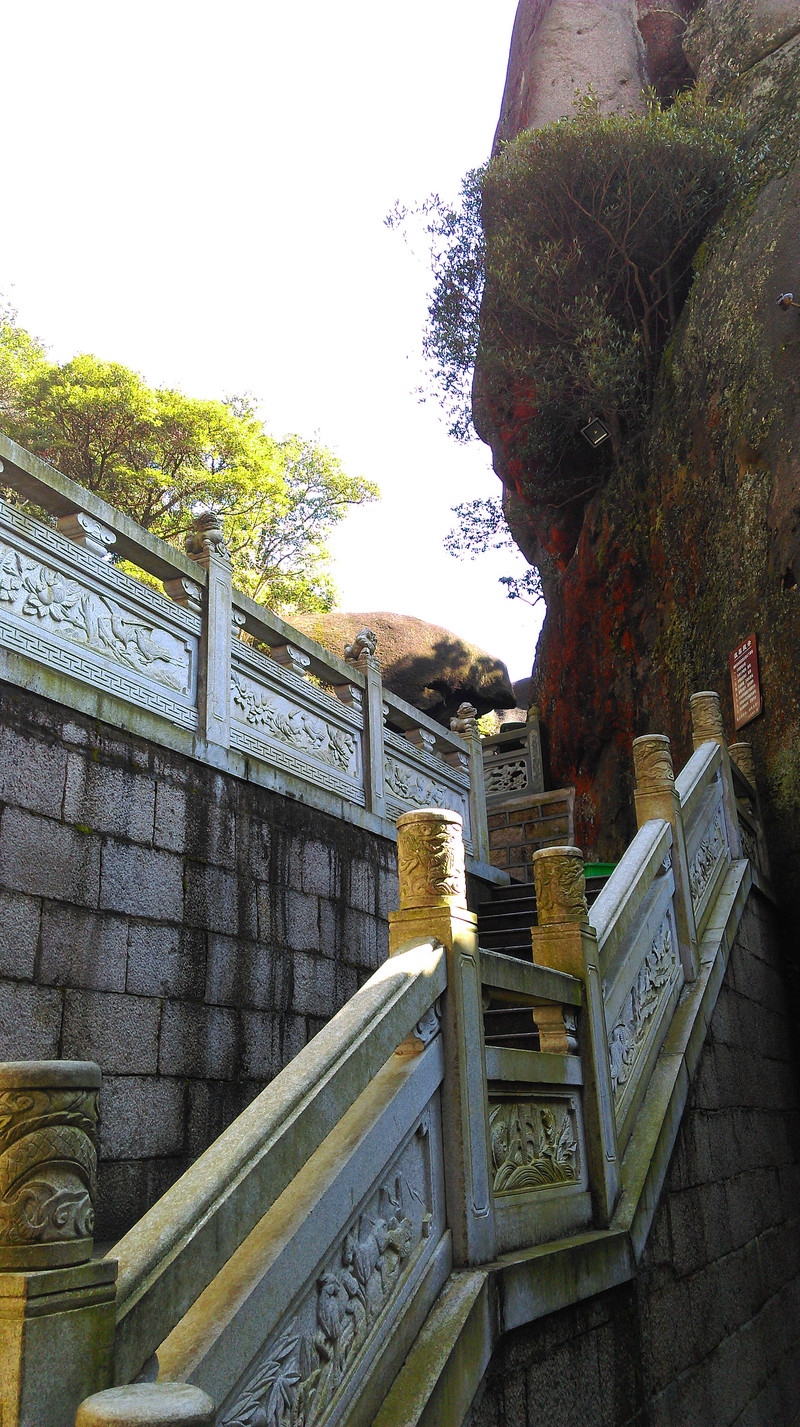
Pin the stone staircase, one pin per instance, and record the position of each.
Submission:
(506, 918)
(476, 1140)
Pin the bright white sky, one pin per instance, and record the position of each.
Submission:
(198, 191)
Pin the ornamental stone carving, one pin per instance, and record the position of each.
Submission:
(652, 762)
(87, 532)
(362, 648)
(48, 1163)
(742, 755)
(707, 726)
(465, 721)
(533, 1146)
(430, 850)
(560, 886)
(206, 537)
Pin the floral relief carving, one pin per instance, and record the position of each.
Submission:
(533, 1146)
(296, 727)
(55, 603)
(631, 1028)
(706, 858)
(506, 777)
(48, 1166)
(302, 1372)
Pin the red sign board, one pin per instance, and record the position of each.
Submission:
(745, 682)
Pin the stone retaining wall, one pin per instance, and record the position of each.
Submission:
(709, 1333)
(187, 930)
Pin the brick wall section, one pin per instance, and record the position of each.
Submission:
(709, 1334)
(187, 930)
(519, 828)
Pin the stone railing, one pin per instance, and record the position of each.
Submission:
(273, 707)
(512, 761)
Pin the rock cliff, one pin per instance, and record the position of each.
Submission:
(653, 580)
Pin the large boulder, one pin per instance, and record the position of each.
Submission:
(428, 666)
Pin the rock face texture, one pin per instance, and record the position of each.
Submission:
(651, 584)
(424, 664)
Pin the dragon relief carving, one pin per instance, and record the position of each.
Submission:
(300, 730)
(506, 777)
(302, 1372)
(48, 1166)
(706, 858)
(652, 761)
(533, 1146)
(631, 1027)
(92, 621)
(560, 888)
(431, 863)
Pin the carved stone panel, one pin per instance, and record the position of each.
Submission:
(506, 777)
(306, 732)
(48, 1164)
(630, 1031)
(82, 631)
(535, 1145)
(704, 863)
(302, 1376)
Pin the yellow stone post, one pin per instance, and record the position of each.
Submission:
(657, 797)
(565, 941)
(433, 903)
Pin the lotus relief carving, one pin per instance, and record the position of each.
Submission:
(92, 621)
(533, 1146)
(299, 729)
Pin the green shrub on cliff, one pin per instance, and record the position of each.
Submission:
(566, 264)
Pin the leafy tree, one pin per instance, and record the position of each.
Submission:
(160, 457)
(482, 526)
(564, 265)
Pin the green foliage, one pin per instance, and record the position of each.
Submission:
(583, 232)
(482, 526)
(160, 457)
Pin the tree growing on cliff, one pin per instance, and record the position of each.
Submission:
(160, 456)
(481, 526)
(564, 267)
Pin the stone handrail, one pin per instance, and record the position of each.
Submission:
(172, 666)
(174, 1251)
(615, 910)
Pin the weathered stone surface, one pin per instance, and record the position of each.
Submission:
(30, 1021)
(143, 882)
(47, 859)
(198, 1040)
(82, 948)
(424, 664)
(165, 960)
(121, 1032)
(141, 1116)
(109, 799)
(19, 934)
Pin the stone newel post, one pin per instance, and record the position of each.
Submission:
(707, 727)
(433, 903)
(56, 1303)
(565, 941)
(205, 544)
(656, 797)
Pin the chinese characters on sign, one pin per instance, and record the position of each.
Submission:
(745, 682)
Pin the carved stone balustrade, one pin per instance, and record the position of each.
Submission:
(48, 1162)
(88, 533)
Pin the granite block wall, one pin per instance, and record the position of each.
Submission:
(186, 929)
(709, 1333)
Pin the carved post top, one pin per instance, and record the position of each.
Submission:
(362, 650)
(707, 725)
(742, 755)
(560, 886)
(430, 851)
(161, 1404)
(48, 1163)
(652, 762)
(465, 721)
(205, 538)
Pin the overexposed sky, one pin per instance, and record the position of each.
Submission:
(198, 191)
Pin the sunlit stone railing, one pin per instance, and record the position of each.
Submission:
(204, 668)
